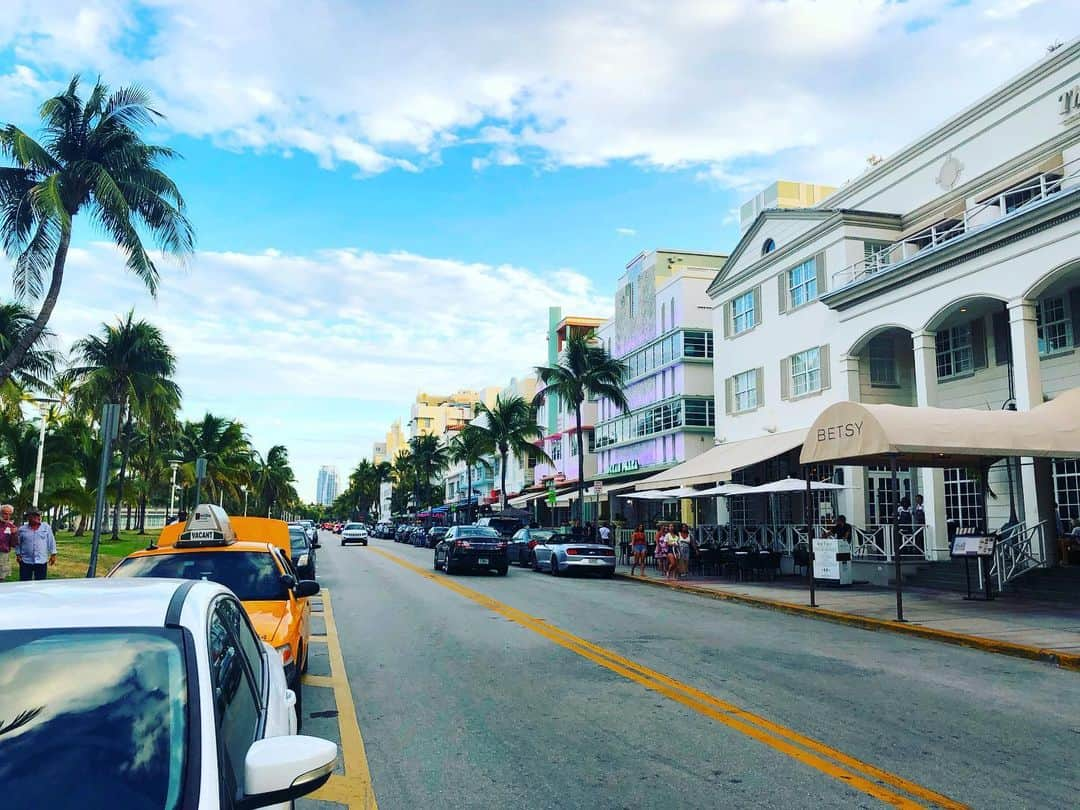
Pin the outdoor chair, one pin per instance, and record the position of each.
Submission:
(727, 562)
(801, 559)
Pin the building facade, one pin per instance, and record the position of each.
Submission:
(378, 453)
(947, 275)
(326, 485)
(662, 330)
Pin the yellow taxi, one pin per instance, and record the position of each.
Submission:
(250, 556)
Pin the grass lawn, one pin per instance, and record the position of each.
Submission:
(73, 553)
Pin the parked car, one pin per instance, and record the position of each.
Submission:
(354, 533)
(313, 532)
(338, 528)
(560, 554)
(472, 547)
(418, 537)
(251, 557)
(435, 534)
(521, 545)
(401, 534)
(504, 525)
(146, 695)
(303, 552)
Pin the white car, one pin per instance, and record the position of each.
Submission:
(354, 533)
(145, 694)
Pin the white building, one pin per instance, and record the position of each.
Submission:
(326, 486)
(946, 275)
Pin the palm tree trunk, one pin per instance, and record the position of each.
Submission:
(120, 477)
(502, 476)
(80, 530)
(580, 466)
(18, 352)
(142, 513)
(468, 493)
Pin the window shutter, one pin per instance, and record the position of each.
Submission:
(782, 291)
(1074, 307)
(727, 320)
(1002, 339)
(757, 305)
(759, 385)
(729, 395)
(819, 266)
(826, 368)
(785, 378)
(978, 343)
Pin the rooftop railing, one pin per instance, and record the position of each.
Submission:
(1000, 206)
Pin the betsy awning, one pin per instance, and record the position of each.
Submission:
(854, 433)
(717, 464)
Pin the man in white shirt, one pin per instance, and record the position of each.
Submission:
(36, 550)
(605, 535)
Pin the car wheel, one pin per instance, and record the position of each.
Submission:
(436, 563)
(534, 563)
(447, 566)
(365, 544)
(609, 574)
(553, 566)
(504, 570)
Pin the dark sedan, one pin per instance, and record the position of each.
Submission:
(472, 548)
(521, 546)
(303, 554)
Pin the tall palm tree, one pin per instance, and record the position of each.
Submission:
(380, 473)
(273, 479)
(584, 369)
(429, 458)
(403, 475)
(128, 363)
(225, 446)
(38, 364)
(91, 158)
(470, 447)
(509, 426)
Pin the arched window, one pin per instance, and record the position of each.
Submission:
(768, 246)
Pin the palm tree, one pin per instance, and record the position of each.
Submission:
(92, 159)
(380, 473)
(38, 363)
(584, 369)
(225, 446)
(130, 364)
(470, 447)
(403, 475)
(509, 426)
(273, 479)
(429, 459)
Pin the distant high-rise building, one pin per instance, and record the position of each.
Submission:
(326, 487)
(378, 453)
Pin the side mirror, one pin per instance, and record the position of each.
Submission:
(281, 769)
(306, 587)
(288, 580)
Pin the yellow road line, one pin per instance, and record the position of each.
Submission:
(354, 788)
(859, 775)
(318, 680)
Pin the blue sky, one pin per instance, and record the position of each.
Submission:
(388, 196)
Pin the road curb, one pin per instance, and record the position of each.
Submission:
(1061, 659)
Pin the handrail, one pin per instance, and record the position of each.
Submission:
(1041, 187)
(1015, 552)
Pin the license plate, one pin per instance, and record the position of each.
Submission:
(482, 561)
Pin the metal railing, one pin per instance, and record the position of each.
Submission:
(1003, 204)
(878, 543)
(1018, 549)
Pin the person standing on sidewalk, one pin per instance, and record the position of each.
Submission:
(687, 547)
(36, 549)
(9, 538)
(671, 540)
(639, 548)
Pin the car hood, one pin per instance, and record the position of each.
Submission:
(267, 617)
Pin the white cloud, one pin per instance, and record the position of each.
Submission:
(804, 88)
(626, 232)
(301, 347)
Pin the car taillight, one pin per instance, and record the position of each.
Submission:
(572, 551)
(532, 543)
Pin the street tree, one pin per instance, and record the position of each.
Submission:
(38, 365)
(90, 158)
(509, 426)
(470, 447)
(585, 369)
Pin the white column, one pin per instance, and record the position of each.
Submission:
(931, 479)
(852, 501)
(1028, 392)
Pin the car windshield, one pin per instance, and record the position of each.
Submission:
(251, 575)
(541, 537)
(92, 719)
(476, 531)
(354, 525)
(298, 541)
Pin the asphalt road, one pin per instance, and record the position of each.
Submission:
(662, 699)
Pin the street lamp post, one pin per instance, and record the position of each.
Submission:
(175, 465)
(200, 474)
(43, 404)
(244, 489)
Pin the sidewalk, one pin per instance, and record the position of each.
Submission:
(1034, 630)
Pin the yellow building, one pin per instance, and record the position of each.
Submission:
(394, 444)
(782, 194)
(435, 414)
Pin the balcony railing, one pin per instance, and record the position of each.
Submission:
(1003, 205)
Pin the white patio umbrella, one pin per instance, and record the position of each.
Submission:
(789, 485)
(646, 495)
(682, 492)
(724, 489)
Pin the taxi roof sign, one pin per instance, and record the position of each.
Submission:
(208, 526)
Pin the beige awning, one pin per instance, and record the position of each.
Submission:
(718, 464)
(853, 433)
(523, 500)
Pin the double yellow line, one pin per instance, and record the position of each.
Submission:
(862, 776)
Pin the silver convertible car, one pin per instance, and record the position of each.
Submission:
(559, 555)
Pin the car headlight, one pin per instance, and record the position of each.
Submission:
(285, 651)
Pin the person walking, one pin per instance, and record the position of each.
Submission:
(687, 547)
(639, 549)
(36, 549)
(9, 538)
(671, 539)
(662, 550)
(605, 534)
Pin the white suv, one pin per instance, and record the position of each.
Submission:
(354, 533)
(145, 693)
